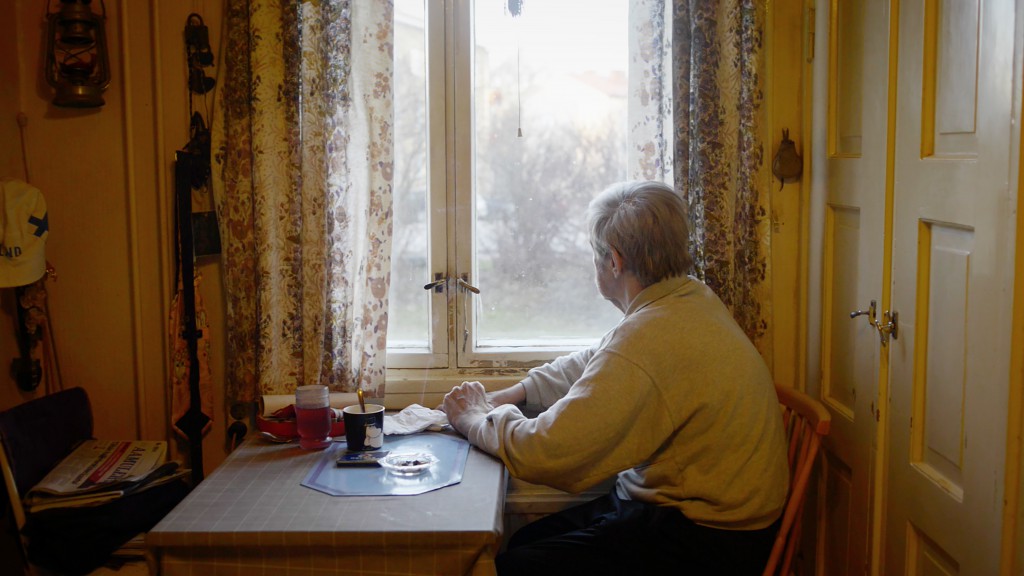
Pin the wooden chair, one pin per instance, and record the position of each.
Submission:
(806, 421)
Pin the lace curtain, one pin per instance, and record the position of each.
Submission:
(303, 160)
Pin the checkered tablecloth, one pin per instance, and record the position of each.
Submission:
(253, 516)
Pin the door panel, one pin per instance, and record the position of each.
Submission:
(937, 443)
(951, 280)
(852, 33)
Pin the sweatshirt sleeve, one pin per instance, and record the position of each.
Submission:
(547, 384)
(585, 437)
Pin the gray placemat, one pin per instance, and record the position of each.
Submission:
(451, 452)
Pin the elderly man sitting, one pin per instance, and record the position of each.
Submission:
(675, 400)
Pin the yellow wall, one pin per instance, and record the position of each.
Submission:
(785, 40)
(107, 177)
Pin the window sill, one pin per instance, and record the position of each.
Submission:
(428, 387)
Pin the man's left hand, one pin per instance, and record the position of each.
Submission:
(466, 404)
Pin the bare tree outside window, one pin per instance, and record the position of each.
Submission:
(533, 258)
(549, 125)
(548, 134)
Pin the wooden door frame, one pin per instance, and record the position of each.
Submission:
(1012, 555)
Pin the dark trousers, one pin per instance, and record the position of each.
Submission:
(614, 536)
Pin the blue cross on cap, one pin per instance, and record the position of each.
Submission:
(42, 225)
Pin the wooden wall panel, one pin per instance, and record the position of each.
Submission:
(106, 174)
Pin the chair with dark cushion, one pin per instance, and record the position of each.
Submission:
(35, 436)
(38, 434)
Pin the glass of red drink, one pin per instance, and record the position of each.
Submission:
(313, 415)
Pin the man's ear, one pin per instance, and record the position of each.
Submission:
(617, 263)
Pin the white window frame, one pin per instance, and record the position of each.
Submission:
(441, 220)
(454, 353)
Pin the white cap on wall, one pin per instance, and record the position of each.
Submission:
(23, 230)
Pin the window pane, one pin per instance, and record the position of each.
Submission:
(550, 132)
(408, 315)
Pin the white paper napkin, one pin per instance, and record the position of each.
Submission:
(413, 419)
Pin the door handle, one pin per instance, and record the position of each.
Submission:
(870, 313)
(888, 326)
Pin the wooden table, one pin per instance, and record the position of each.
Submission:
(253, 516)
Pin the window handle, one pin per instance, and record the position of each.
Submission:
(465, 284)
(438, 284)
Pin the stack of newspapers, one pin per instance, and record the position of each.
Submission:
(100, 471)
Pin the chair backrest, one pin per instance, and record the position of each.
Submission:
(36, 435)
(806, 421)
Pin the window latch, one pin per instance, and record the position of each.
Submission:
(464, 282)
(440, 282)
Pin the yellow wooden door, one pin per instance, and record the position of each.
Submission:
(952, 280)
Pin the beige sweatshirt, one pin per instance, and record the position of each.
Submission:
(675, 400)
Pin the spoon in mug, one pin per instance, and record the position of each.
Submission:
(362, 403)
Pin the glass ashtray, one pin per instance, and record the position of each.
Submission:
(408, 463)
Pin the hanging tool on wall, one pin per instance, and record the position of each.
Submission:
(24, 229)
(191, 379)
(787, 165)
(199, 57)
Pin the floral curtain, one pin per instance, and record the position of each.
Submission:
(696, 120)
(303, 152)
(718, 61)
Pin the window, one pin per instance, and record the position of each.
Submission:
(505, 127)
